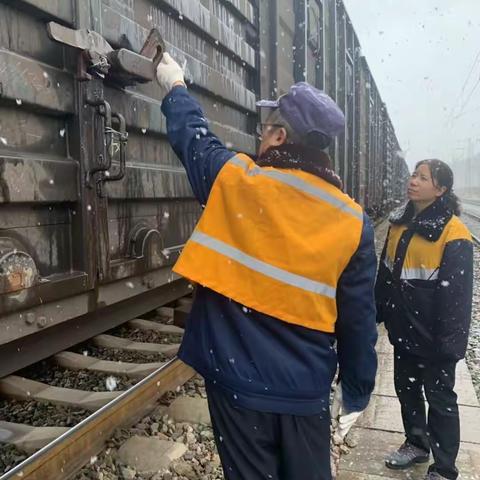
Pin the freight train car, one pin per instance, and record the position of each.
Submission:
(94, 205)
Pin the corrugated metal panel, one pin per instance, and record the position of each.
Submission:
(38, 171)
(50, 137)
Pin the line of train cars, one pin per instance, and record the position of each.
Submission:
(94, 205)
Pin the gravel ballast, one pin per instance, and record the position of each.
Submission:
(39, 414)
(119, 355)
(200, 462)
(10, 456)
(56, 376)
(473, 351)
(147, 336)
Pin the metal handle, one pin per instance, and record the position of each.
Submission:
(122, 136)
(104, 159)
(123, 139)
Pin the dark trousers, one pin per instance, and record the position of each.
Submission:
(440, 432)
(261, 446)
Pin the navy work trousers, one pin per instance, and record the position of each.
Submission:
(440, 432)
(266, 446)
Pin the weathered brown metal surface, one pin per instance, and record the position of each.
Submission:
(103, 237)
(69, 452)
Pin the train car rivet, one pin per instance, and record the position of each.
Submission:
(42, 322)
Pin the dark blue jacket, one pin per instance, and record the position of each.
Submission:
(263, 363)
(430, 317)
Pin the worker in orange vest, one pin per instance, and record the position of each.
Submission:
(285, 267)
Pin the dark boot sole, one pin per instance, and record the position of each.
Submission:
(393, 466)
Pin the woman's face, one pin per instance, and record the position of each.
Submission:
(421, 187)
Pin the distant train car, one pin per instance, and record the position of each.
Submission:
(327, 54)
(94, 205)
(467, 174)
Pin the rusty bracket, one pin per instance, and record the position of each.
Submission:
(122, 67)
(153, 48)
(18, 270)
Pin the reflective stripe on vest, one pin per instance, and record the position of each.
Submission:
(414, 273)
(275, 241)
(419, 274)
(298, 183)
(423, 257)
(262, 267)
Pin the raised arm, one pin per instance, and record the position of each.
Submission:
(200, 151)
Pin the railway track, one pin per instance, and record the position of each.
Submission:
(471, 210)
(125, 360)
(58, 452)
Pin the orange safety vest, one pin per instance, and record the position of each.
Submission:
(275, 241)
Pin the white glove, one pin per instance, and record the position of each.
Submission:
(169, 72)
(344, 420)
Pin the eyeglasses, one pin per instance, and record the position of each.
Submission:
(262, 127)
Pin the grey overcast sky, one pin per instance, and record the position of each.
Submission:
(421, 53)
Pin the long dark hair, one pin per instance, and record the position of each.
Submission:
(442, 176)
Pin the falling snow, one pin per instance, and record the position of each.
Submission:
(111, 383)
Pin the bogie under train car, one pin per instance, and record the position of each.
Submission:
(94, 205)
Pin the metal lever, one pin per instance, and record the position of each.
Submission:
(122, 66)
(153, 48)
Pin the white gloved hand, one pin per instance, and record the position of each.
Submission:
(169, 72)
(344, 420)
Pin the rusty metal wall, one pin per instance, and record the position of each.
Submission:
(288, 52)
(362, 106)
(65, 234)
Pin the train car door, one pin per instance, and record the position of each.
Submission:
(145, 210)
(46, 216)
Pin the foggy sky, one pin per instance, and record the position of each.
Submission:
(420, 53)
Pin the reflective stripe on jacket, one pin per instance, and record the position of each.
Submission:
(423, 258)
(256, 243)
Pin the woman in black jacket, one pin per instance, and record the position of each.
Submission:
(424, 296)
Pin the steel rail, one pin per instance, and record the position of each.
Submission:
(65, 455)
(475, 217)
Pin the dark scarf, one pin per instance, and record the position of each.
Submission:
(289, 156)
(429, 223)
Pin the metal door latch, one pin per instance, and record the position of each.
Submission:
(123, 67)
(115, 142)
